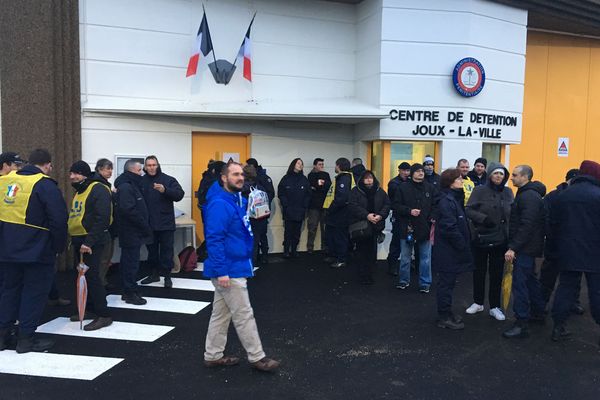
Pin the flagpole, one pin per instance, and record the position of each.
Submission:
(213, 50)
(249, 26)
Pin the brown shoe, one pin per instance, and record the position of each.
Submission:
(98, 323)
(225, 361)
(266, 364)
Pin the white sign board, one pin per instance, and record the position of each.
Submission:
(563, 147)
(227, 157)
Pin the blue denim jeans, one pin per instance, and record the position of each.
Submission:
(424, 249)
(526, 288)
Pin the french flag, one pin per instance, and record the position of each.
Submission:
(202, 46)
(246, 53)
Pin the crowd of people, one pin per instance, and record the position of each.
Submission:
(462, 220)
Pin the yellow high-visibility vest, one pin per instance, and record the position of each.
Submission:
(468, 187)
(77, 212)
(331, 192)
(16, 192)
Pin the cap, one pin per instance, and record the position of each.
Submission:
(81, 167)
(11, 157)
(415, 167)
(481, 160)
(404, 165)
(428, 160)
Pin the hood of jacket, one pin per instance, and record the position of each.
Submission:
(493, 166)
(535, 185)
(362, 187)
(128, 177)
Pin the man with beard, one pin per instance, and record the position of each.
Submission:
(229, 263)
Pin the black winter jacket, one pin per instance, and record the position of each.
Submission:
(359, 205)
(98, 208)
(318, 193)
(266, 182)
(490, 204)
(575, 224)
(393, 186)
(132, 213)
(47, 208)
(551, 245)
(480, 181)
(161, 213)
(451, 251)
(294, 195)
(527, 220)
(434, 179)
(337, 213)
(357, 171)
(413, 195)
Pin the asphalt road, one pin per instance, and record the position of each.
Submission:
(336, 340)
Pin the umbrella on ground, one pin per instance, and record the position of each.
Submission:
(81, 289)
(507, 284)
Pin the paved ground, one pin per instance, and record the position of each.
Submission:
(336, 340)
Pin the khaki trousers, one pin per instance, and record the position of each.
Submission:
(232, 304)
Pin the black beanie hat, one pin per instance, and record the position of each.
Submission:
(572, 174)
(81, 167)
(415, 167)
(404, 165)
(481, 160)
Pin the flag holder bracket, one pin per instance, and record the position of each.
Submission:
(222, 71)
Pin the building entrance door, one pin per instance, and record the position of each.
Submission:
(208, 146)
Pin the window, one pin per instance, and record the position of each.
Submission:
(377, 159)
(411, 152)
(491, 151)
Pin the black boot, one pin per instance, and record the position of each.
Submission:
(560, 332)
(449, 322)
(27, 343)
(520, 330)
(154, 277)
(293, 252)
(264, 259)
(393, 268)
(168, 281)
(134, 298)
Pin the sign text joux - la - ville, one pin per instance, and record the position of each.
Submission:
(456, 124)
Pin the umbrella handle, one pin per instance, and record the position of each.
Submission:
(80, 258)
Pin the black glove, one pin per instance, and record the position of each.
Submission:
(488, 223)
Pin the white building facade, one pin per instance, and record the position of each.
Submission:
(329, 79)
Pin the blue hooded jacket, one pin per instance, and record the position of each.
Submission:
(228, 234)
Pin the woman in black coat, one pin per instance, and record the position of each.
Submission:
(368, 202)
(294, 195)
(488, 209)
(451, 254)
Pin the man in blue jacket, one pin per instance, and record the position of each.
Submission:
(229, 243)
(33, 230)
(133, 227)
(160, 191)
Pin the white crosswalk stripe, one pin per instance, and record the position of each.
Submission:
(118, 330)
(160, 304)
(55, 365)
(184, 283)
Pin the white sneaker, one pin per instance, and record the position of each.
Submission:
(497, 313)
(474, 308)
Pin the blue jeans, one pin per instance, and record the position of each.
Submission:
(526, 288)
(424, 249)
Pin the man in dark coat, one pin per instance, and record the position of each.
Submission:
(357, 169)
(210, 176)
(451, 253)
(368, 202)
(550, 267)
(89, 221)
(33, 230)
(414, 207)
(160, 192)
(294, 195)
(320, 181)
(478, 174)
(336, 204)
(526, 242)
(431, 176)
(133, 228)
(394, 249)
(574, 223)
(267, 183)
